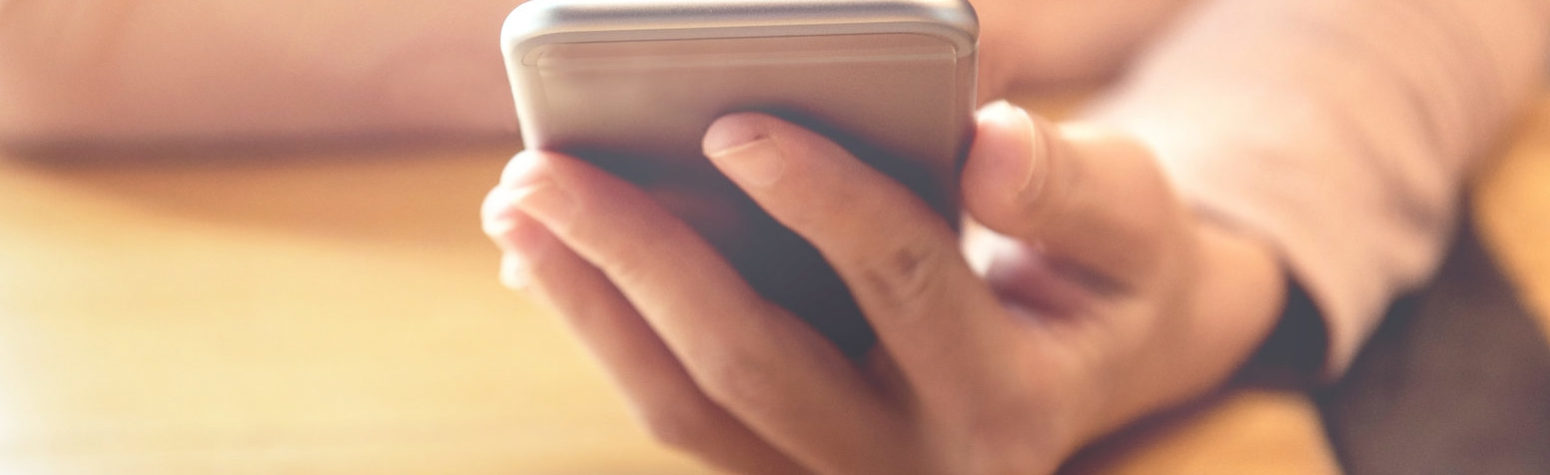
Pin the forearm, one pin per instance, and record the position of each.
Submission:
(137, 71)
(1337, 130)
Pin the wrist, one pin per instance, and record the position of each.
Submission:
(1227, 304)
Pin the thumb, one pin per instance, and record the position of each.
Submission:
(1088, 197)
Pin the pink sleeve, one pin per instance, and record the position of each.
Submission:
(1338, 130)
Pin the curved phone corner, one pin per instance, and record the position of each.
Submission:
(529, 21)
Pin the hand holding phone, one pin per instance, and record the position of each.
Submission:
(1104, 298)
(631, 87)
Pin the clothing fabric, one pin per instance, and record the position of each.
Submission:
(1340, 131)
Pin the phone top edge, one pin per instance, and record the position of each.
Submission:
(539, 22)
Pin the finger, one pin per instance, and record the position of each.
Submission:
(898, 257)
(764, 366)
(1022, 276)
(1089, 198)
(672, 408)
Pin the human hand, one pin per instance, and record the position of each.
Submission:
(1104, 299)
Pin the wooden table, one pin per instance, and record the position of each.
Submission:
(337, 312)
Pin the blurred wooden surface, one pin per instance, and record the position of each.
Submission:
(337, 312)
(1512, 210)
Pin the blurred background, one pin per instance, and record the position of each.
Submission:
(330, 305)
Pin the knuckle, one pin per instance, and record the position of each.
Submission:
(684, 426)
(636, 261)
(741, 382)
(903, 273)
(628, 271)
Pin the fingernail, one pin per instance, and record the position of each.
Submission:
(1021, 168)
(499, 216)
(514, 271)
(525, 243)
(498, 229)
(744, 152)
(547, 202)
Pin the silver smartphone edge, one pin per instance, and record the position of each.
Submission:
(540, 22)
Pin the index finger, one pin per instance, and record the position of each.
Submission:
(899, 258)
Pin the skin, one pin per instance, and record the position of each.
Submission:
(1104, 300)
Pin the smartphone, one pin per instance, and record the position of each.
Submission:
(632, 85)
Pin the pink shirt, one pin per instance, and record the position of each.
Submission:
(1340, 131)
